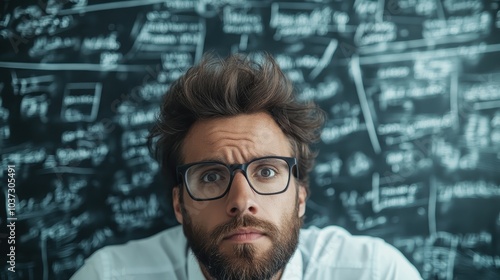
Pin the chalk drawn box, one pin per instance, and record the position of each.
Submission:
(81, 102)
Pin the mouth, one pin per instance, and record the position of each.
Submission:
(244, 235)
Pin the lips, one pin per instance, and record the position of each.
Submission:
(244, 234)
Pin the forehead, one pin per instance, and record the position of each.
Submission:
(235, 139)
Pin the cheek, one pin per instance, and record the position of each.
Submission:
(202, 213)
(277, 207)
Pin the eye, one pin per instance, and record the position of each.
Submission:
(266, 172)
(211, 177)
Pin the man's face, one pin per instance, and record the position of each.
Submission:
(243, 235)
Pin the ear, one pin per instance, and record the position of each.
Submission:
(302, 200)
(177, 203)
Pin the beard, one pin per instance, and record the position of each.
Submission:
(244, 262)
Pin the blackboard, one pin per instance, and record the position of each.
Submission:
(410, 152)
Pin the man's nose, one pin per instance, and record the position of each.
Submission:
(241, 197)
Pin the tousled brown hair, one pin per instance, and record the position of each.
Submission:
(218, 87)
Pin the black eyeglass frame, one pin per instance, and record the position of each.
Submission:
(182, 171)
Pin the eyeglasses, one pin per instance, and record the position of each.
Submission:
(209, 180)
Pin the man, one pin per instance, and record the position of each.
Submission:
(233, 135)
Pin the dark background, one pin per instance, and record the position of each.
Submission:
(410, 153)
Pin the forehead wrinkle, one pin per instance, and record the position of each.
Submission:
(235, 139)
(238, 154)
(223, 130)
(234, 153)
(240, 137)
(246, 144)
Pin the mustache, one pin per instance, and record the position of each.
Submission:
(266, 227)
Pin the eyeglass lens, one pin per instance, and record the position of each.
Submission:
(210, 180)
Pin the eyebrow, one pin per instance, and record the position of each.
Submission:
(218, 159)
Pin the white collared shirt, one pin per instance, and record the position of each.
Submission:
(328, 253)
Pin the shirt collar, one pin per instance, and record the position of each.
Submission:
(293, 269)
(193, 267)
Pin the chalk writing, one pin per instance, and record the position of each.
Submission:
(241, 21)
(95, 131)
(34, 84)
(462, 5)
(102, 42)
(482, 261)
(96, 240)
(326, 171)
(358, 164)
(365, 8)
(365, 223)
(96, 153)
(289, 22)
(44, 45)
(322, 91)
(138, 118)
(372, 33)
(438, 28)
(26, 155)
(422, 123)
(81, 102)
(177, 31)
(35, 107)
(468, 189)
(419, 8)
(392, 72)
(177, 60)
(47, 24)
(394, 92)
(135, 212)
(395, 196)
(436, 69)
(335, 130)
(481, 92)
